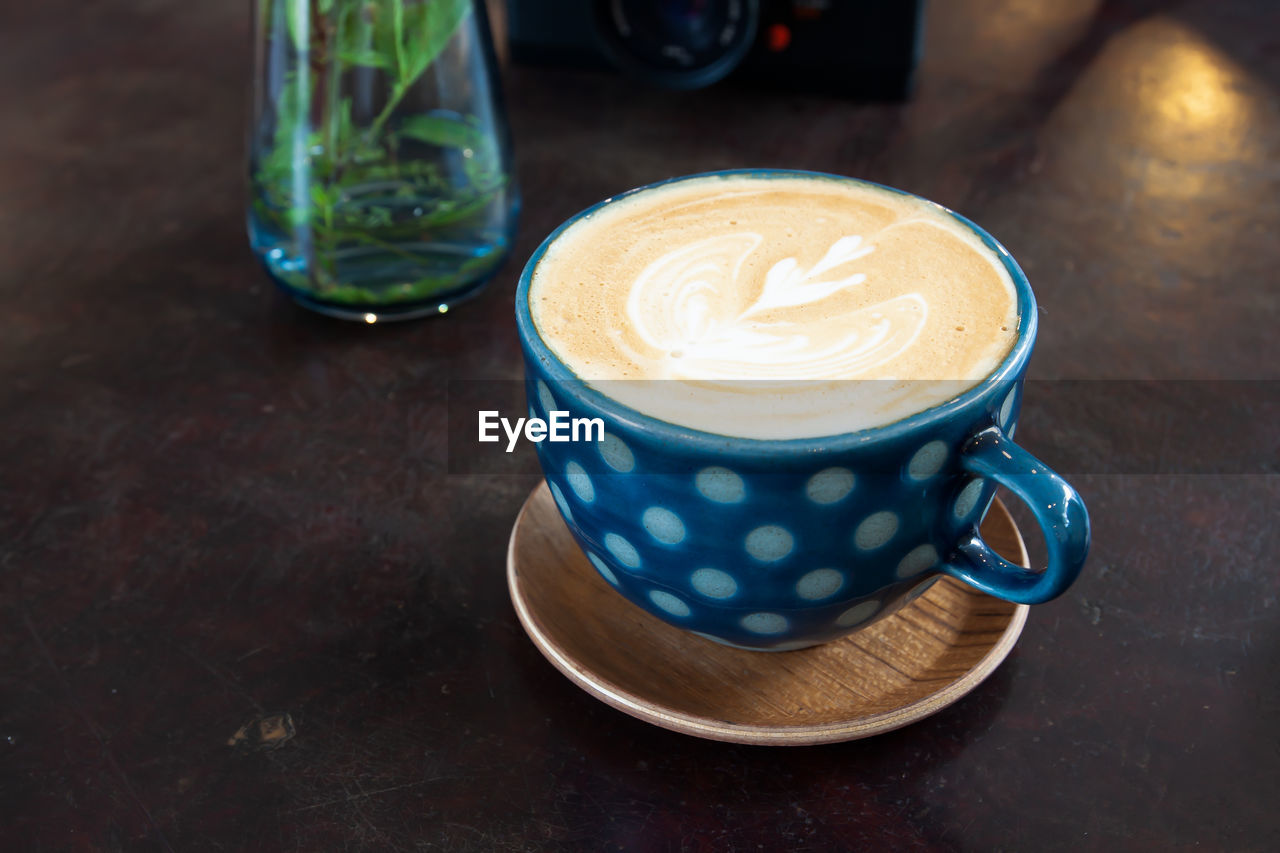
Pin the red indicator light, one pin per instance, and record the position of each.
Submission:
(778, 37)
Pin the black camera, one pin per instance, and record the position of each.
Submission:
(858, 48)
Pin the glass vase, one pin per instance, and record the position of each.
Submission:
(379, 156)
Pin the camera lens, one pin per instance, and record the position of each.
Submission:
(680, 44)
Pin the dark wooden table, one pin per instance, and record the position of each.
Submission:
(216, 508)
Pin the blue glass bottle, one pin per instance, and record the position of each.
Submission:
(379, 155)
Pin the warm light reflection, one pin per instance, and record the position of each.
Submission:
(1192, 113)
(1164, 106)
(371, 318)
(1193, 89)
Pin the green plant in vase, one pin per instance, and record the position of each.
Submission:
(380, 167)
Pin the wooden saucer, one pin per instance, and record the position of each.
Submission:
(901, 669)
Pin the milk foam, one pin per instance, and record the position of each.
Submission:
(760, 298)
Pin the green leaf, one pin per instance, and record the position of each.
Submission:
(428, 29)
(447, 133)
(320, 197)
(364, 155)
(345, 130)
(291, 119)
(397, 34)
(387, 36)
(354, 36)
(382, 21)
(298, 18)
(411, 35)
(298, 216)
(368, 58)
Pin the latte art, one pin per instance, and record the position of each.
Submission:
(686, 303)
(774, 307)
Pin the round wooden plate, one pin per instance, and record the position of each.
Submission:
(901, 669)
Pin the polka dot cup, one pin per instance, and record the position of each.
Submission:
(777, 545)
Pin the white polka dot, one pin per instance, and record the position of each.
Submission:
(720, 485)
(1006, 410)
(969, 498)
(769, 543)
(927, 461)
(764, 623)
(820, 583)
(918, 559)
(579, 482)
(875, 530)
(616, 454)
(830, 485)
(668, 602)
(605, 571)
(623, 550)
(714, 583)
(663, 525)
(858, 614)
(544, 396)
(561, 502)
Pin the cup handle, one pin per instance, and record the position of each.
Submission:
(1057, 507)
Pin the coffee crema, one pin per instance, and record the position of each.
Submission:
(774, 307)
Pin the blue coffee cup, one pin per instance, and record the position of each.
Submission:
(783, 544)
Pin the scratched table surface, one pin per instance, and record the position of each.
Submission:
(246, 605)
